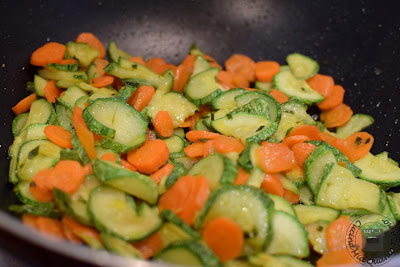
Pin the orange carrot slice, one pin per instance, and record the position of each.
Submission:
(272, 185)
(48, 53)
(273, 157)
(24, 105)
(266, 70)
(149, 157)
(85, 136)
(279, 96)
(163, 124)
(51, 92)
(149, 246)
(92, 41)
(58, 136)
(102, 81)
(334, 99)
(141, 97)
(336, 117)
(162, 172)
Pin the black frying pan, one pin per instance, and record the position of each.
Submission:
(357, 42)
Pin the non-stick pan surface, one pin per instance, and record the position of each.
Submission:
(357, 42)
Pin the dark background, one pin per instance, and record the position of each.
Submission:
(357, 42)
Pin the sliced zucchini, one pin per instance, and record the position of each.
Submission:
(306, 196)
(302, 67)
(121, 125)
(289, 236)
(187, 162)
(82, 101)
(175, 146)
(339, 189)
(264, 86)
(287, 83)
(317, 236)
(115, 213)
(201, 125)
(18, 123)
(226, 100)
(217, 168)
(83, 52)
(126, 92)
(356, 123)
(311, 213)
(41, 112)
(378, 171)
(79, 149)
(71, 95)
(258, 106)
(195, 50)
(64, 84)
(244, 126)
(282, 204)
(246, 159)
(63, 67)
(189, 253)
(178, 171)
(133, 183)
(39, 84)
(248, 206)
(92, 72)
(25, 196)
(68, 76)
(385, 155)
(287, 184)
(200, 64)
(35, 210)
(394, 203)
(256, 177)
(64, 117)
(114, 53)
(266, 260)
(294, 113)
(120, 247)
(202, 88)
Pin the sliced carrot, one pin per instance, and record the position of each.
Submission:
(24, 105)
(92, 41)
(240, 80)
(194, 119)
(187, 123)
(85, 136)
(266, 70)
(226, 144)
(360, 144)
(67, 176)
(80, 229)
(186, 197)
(242, 64)
(225, 238)
(290, 141)
(189, 62)
(241, 177)
(290, 196)
(336, 117)
(323, 84)
(100, 64)
(195, 149)
(39, 187)
(68, 61)
(141, 97)
(51, 91)
(273, 157)
(311, 131)
(326, 137)
(226, 77)
(109, 157)
(102, 81)
(295, 173)
(29, 219)
(50, 226)
(87, 169)
(137, 60)
(336, 234)
(181, 77)
(212, 61)
(272, 185)
(334, 99)
(163, 124)
(48, 53)
(70, 236)
(208, 148)
(336, 258)
(58, 136)
(127, 165)
(301, 151)
(149, 157)
(162, 172)
(279, 96)
(194, 136)
(149, 246)
(157, 64)
(343, 146)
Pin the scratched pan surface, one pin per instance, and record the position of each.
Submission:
(357, 42)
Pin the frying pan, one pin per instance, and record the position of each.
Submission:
(357, 42)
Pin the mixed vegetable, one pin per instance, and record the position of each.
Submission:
(195, 164)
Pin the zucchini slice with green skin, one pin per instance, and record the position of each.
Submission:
(92, 72)
(126, 92)
(120, 247)
(79, 149)
(188, 253)
(114, 212)
(264, 86)
(302, 67)
(63, 67)
(41, 112)
(178, 171)
(226, 100)
(289, 236)
(39, 84)
(64, 116)
(83, 52)
(248, 206)
(339, 189)
(317, 236)
(69, 76)
(394, 203)
(294, 113)
(256, 177)
(175, 146)
(264, 260)
(175, 229)
(200, 64)
(379, 171)
(217, 168)
(244, 126)
(71, 95)
(257, 106)
(246, 159)
(36, 155)
(356, 123)
(133, 183)
(202, 88)
(64, 84)
(287, 184)
(35, 210)
(282, 204)
(19, 123)
(385, 156)
(311, 213)
(25, 196)
(121, 125)
(306, 196)
(287, 83)
(114, 53)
